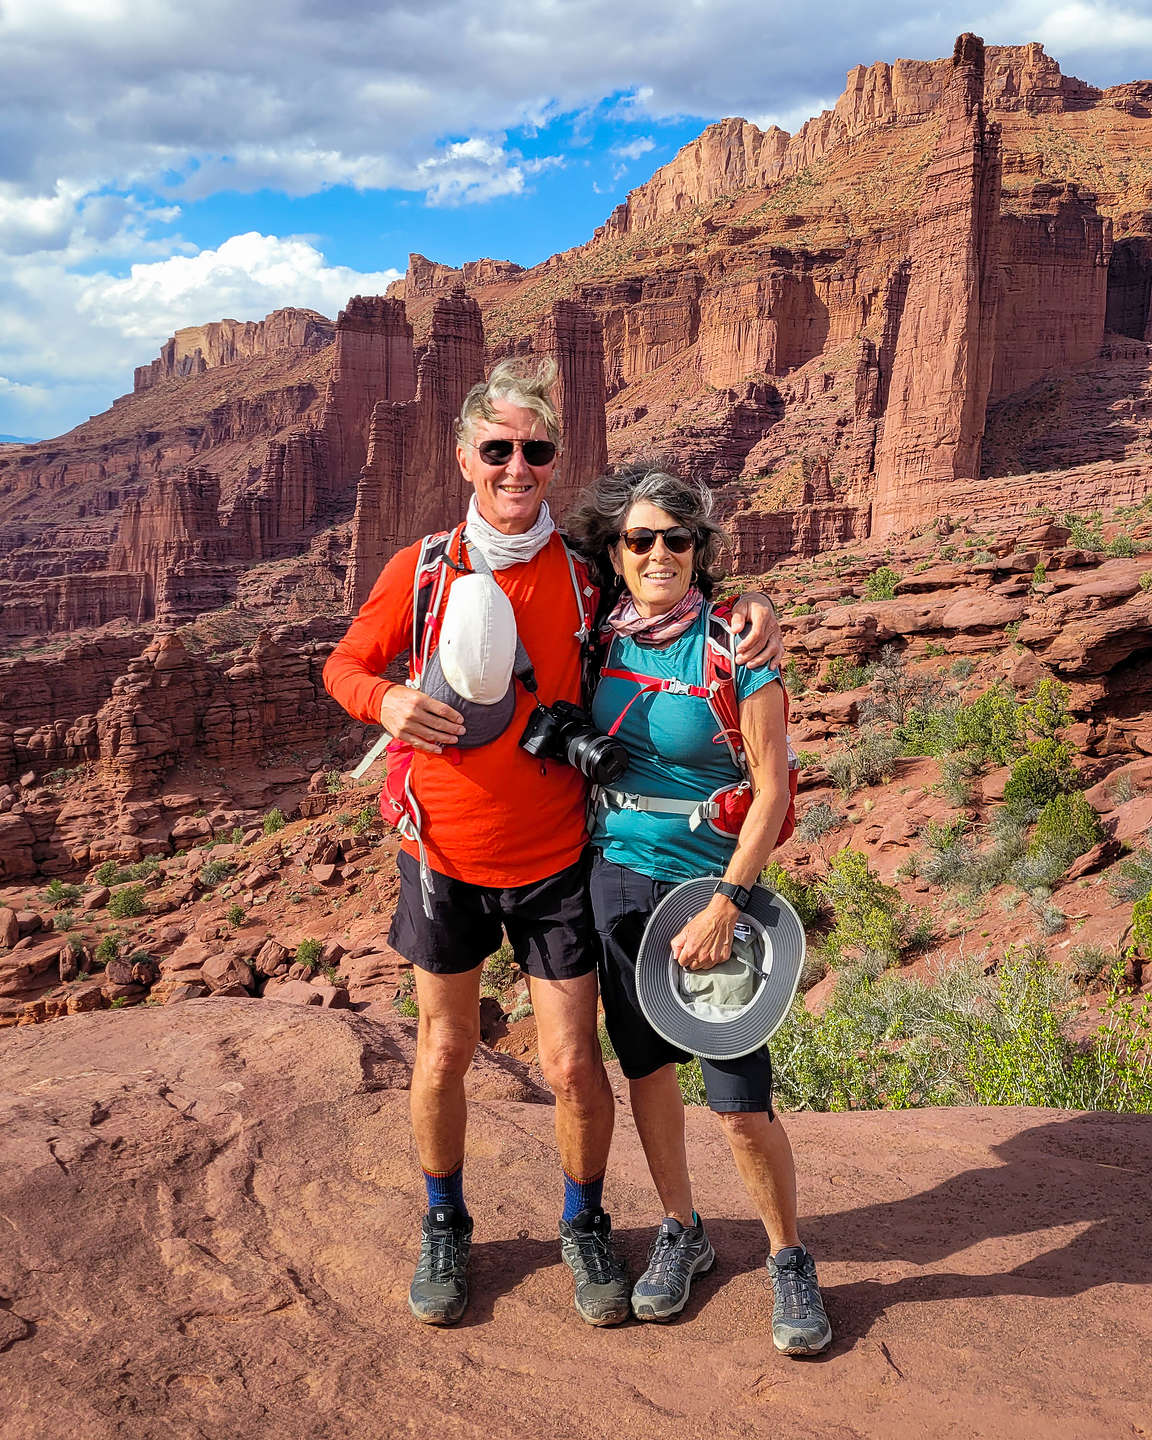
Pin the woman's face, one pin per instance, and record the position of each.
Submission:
(659, 580)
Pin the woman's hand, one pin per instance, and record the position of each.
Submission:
(706, 940)
(762, 644)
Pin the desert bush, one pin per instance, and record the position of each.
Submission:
(896, 690)
(127, 902)
(236, 915)
(308, 952)
(404, 1002)
(333, 781)
(869, 917)
(274, 821)
(499, 971)
(1044, 771)
(107, 874)
(795, 681)
(817, 821)
(366, 820)
(1068, 826)
(1085, 532)
(1046, 710)
(108, 948)
(947, 855)
(61, 894)
(1133, 879)
(804, 899)
(1121, 547)
(1002, 1039)
(1146, 581)
(988, 727)
(843, 674)
(993, 865)
(215, 872)
(691, 1081)
(1039, 574)
(881, 584)
(867, 760)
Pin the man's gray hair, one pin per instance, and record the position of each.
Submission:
(522, 381)
(595, 523)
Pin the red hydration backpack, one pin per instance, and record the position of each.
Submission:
(725, 809)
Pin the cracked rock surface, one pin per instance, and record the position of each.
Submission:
(207, 1228)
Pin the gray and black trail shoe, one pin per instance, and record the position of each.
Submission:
(439, 1290)
(602, 1289)
(799, 1322)
(678, 1253)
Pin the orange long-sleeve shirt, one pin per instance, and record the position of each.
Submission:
(493, 815)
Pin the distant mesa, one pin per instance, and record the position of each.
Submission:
(18, 440)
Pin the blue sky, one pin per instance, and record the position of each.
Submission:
(164, 163)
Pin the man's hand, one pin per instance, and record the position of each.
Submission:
(706, 940)
(424, 723)
(763, 644)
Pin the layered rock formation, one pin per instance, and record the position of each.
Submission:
(943, 365)
(197, 348)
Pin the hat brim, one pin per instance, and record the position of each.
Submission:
(482, 723)
(777, 941)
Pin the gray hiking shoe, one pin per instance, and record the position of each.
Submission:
(799, 1322)
(601, 1275)
(678, 1253)
(439, 1290)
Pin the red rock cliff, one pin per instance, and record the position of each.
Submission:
(197, 348)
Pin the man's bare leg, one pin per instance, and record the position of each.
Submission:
(658, 1110)
(573, 1066)
(448, 1034)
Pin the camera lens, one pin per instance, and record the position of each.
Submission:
(602, 758)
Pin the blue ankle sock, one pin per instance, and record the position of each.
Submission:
(446, 1189)
(581, 1195)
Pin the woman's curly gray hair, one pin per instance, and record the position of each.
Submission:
(595, 522)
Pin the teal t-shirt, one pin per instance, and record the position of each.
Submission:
(674, 750)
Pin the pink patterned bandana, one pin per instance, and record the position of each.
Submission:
(655, 629)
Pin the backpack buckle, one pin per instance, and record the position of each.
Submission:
(678, 687)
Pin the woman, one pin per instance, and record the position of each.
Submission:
(654, 540)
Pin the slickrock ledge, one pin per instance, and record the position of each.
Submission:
(209, 1219)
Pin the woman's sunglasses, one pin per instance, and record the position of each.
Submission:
(499, 452)
(677, 538)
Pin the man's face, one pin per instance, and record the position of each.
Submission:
(507, 495)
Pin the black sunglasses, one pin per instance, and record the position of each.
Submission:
(677, 538)
(499, 452)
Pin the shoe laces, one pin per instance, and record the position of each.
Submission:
(667, 1257)
(598, 1256)
(442, 1259)
(796, 1288)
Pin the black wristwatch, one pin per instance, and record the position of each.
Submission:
(736, 893)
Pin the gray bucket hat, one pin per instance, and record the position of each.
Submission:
(732, 1009)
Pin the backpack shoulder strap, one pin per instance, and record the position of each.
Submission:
(429, 585)
(719, 679)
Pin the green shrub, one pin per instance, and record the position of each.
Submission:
(127, 902)
(794, 679)
(963, 667)
(867, 913)
(804, 899)
(499, 971)
(308, 952)
(1085, 532)
(274, 821)
(404, 1002)
(108, 948)
(948, 852)
(107, 873)
(999, 1039)
(366, 820)
(1134, 878)
(1039, 574)
(842, 674)
(607, 1049)
(867, 760)
(61, 894)
(691, 1080)
(236, 915)
(1046, 710)
(1146, 581)
(803, 607)
(993, 866)
(1044, 771)
(333, 781)
(63, 920)
(881, 584)
(1068, 825)
(215, 872)
(988, 727)
(896, 690)
(1121, 547)
(817, 821)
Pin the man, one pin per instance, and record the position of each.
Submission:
(502, 845)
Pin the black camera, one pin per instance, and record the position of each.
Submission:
(564, 732)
